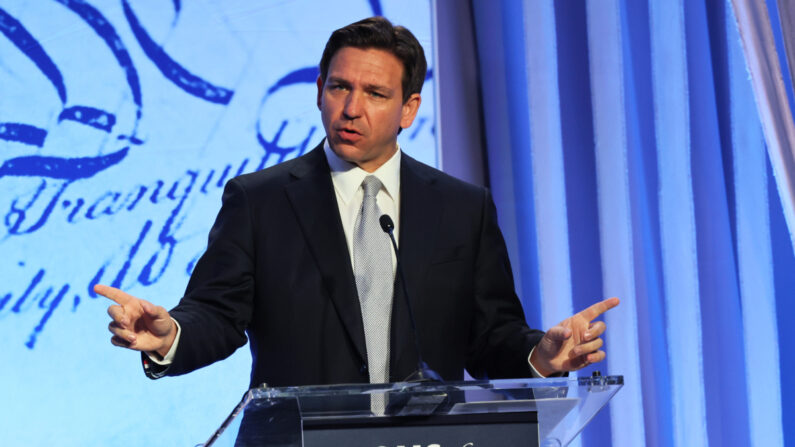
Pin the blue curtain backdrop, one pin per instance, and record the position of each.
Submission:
(627, 158)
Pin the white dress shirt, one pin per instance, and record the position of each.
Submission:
(347, 179)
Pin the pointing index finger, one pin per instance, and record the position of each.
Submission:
(599, 308)
(113, 294)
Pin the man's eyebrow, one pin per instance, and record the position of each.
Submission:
(378, 87)
(369, 87)
(337, 81)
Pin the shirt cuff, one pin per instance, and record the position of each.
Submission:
(169, 357)
(533, 371)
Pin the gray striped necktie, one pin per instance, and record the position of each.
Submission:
(372, 261)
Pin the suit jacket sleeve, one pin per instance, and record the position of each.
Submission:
(500, 341)
(216, 308)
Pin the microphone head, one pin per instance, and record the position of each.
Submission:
(386, 223)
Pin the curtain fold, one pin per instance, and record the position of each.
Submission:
(765, 68)
(614, 204)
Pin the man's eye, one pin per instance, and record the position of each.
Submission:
(377, 95)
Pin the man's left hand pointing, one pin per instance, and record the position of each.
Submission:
(574, 343)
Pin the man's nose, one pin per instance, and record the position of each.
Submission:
(353, 105)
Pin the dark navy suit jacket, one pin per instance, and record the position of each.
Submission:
(277, 272)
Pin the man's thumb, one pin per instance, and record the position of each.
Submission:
(151, 309)
(559, 333)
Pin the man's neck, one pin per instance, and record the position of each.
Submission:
(369, 166)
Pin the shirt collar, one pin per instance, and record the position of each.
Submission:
(347, 177)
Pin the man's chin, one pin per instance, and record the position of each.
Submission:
(367, 158)
(346, 151)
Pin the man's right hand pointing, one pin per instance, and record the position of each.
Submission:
(138, 324)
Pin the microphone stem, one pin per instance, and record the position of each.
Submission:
(420, 363)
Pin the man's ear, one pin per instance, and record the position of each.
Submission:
(410, 108)
(319, 91)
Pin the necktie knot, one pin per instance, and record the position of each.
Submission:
(371, 185)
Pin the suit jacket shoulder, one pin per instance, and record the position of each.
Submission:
(269, 181)
(440, 178)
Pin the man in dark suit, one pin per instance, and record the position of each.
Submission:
(291, 264)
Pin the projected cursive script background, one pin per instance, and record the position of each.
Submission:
(120, 122)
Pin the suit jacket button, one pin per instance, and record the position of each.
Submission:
(363, 369)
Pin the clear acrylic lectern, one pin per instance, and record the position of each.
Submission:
(498, 413)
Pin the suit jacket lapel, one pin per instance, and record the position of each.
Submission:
(420, 212)
(314, 202)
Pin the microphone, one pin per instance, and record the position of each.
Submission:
(423, 373)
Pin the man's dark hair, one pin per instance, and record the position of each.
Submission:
(378, 32)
